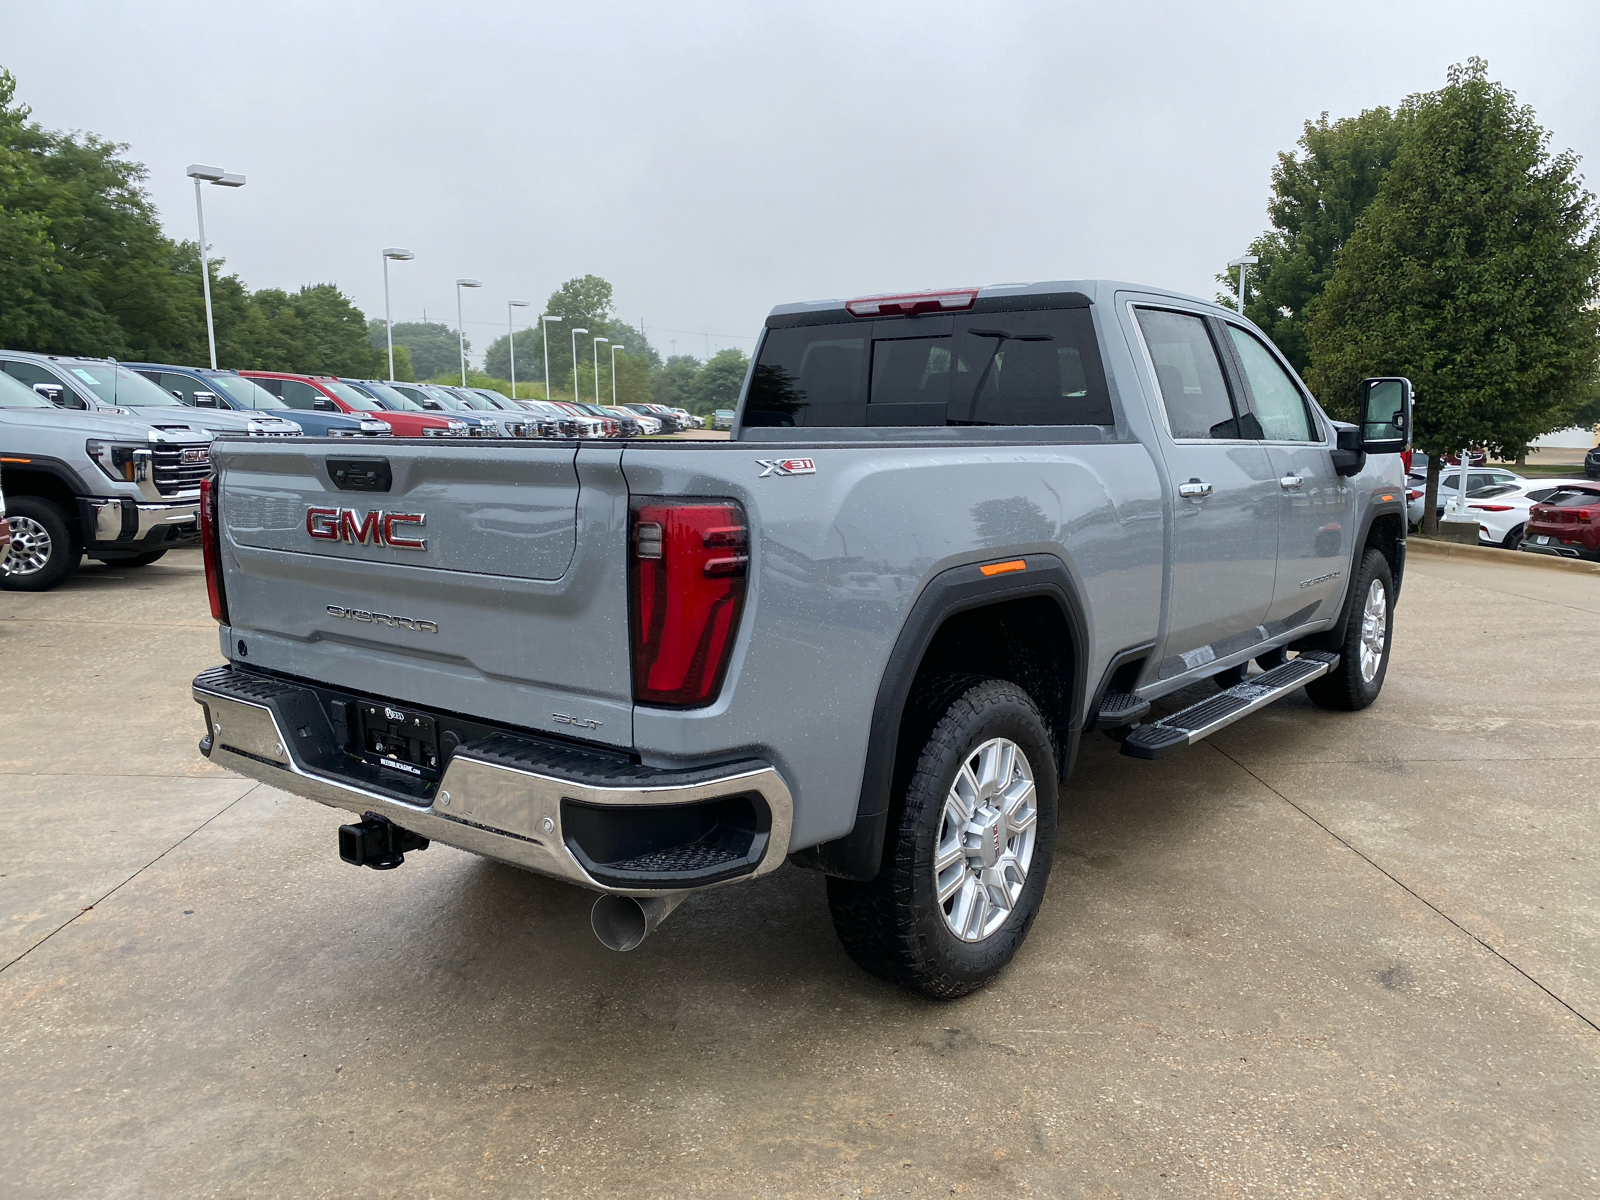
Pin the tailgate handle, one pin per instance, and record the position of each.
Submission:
(360, 474)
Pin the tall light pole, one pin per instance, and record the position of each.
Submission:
(201, 173)
(1244, 263)
(597, 342)
(575, 334)
(461, 337)
(544, 324)
(511, 332)
(399, 255)
(614, 349)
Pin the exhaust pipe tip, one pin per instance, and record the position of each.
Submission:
(623, 922)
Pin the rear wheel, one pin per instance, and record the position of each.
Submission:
(1369, 633)
(43, 549)
(1513, 540)
(970, 848)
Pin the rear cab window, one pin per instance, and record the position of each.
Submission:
(1034, 367)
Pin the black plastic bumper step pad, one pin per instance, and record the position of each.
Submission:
(1120, 708)
(1185, 728)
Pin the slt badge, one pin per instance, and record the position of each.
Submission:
(786, 466)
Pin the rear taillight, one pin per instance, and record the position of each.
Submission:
(211, 548)
(1405, 460)
(687, 566)
(1491, 507)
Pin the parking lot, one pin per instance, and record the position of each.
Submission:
(1324, 954)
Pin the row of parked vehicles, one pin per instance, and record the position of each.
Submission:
(1559, 517)
(104, 460)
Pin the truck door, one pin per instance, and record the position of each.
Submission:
(1225, 496)
(1316, 505)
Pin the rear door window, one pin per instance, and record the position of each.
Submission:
(1194, 391)
(1008, 368)
(298, 395)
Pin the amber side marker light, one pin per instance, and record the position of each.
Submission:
(1386, 499)
(1005, 568)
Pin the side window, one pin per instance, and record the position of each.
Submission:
(1279, 406)
(29, 374)
(1541, 495)
(182, 384)
(296, 394)
(1193, 390)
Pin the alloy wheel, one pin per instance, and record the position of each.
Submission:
(30, 547)
(1374, 629)
(986, 839)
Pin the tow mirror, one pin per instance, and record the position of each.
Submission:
(206, 399)
(1385, 406)
(52, 392)
(322, 404)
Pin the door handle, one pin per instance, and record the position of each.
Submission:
(1194, 490)
(1291, 483)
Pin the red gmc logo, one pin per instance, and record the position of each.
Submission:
(377, 528)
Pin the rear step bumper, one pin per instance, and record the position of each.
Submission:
(592, 818)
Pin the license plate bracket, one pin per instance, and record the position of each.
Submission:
(399, 739)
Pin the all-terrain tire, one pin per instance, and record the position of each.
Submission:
(44, 549)
(895, 926)
(1368, 638)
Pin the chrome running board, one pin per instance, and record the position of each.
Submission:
(1161, 738)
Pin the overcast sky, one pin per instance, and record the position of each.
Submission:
(714, 159)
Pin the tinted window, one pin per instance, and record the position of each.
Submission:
(244, 393)
(1278, 404)
(181, 384)
(1013, 368)
(1193, 390)
(1573, 498)
(816, 375)
(298, 395)
(28, 374)
(1540, 495)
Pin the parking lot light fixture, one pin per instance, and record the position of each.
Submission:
(1244, 262)
(217, 177)
(511, 332)
(575, 334)
(614, 348)
(597, 342)
(544, 325)
(399, 255)
(461, 337)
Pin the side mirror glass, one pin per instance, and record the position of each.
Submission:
(206, 399)
(1385, 406)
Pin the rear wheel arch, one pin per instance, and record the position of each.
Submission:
(1027, 623)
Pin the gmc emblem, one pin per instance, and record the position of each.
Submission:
(376, 528)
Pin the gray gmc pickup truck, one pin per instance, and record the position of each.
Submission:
(951, 533)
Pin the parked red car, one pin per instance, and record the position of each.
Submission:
(1566, 524)
(325, 394)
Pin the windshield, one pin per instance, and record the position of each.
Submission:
(19, 395)
(397, 398)
(244, 393)
(450, 401)
(116, 384)
(353, 396)
(477, 403)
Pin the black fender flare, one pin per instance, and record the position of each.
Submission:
(1332, 638)
(859, 854)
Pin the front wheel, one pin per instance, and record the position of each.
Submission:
(43, 549)
(1369, 634)
(969, 850)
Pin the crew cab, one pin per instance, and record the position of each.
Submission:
(200, 387)
(321, 393)
(951, 534)
(98, 385)
(115, 487)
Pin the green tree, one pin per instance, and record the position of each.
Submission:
(673, 384)
(718, 382)
(1470, 273)
(27, 255)
(431, 345)
(1318, 194)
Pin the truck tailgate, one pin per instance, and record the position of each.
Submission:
(487, 580)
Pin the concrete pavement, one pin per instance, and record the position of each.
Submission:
(1327, 954)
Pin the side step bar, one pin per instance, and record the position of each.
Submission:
(1161, 738)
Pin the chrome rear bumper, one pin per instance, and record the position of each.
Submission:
(487, 802)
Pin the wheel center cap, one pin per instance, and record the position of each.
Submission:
(990, 828)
